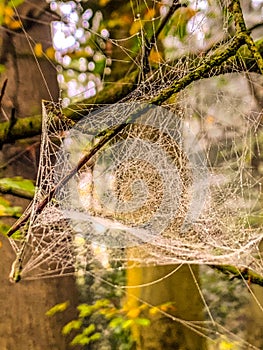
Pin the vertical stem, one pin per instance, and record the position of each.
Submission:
(238, 17)
(241, 28)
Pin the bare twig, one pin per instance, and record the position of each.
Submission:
(3, 91)
(255, 26)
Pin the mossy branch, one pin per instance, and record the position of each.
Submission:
(243, 274)
(17, 186)
(31, 126)
(221, 55)
(241, 28)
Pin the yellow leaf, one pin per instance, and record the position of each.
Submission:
(8, 11)
(149, 14)
(57, 308)
(135, 27)
(50, 52)
(7, 17)
(14, 25)
(103, 2)
(38, 49)
(155, 56)
(133, 313)
(167, 307)
(154, 310)
(143, 306)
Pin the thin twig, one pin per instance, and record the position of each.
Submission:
(150, 44)
(255, 26)
(18, 155)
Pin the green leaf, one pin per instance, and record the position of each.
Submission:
(74, 324)
(115, 322)
(57, 308)
(90, 329)
(15, 3)
(2, 67)
(142, 321)
(127, 324)
(95, 336)
(80, 339)
(3, 228)
(101, 303)
(85, 310)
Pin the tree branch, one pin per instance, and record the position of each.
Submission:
(31, 126)
(216, 59)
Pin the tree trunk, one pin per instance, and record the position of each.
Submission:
(180, 289)
(23, 306)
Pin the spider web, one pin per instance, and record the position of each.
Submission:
(175, 186)
(157, 188)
